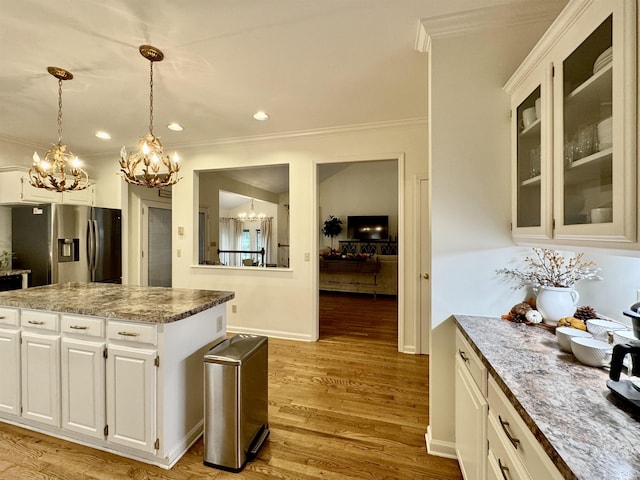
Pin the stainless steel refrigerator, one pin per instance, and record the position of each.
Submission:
(67, 243)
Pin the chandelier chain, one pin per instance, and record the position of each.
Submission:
(151, 99)
(59, 110)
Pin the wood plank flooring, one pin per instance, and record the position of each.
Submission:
(346, 407)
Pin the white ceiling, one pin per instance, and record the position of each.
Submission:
(311, 64)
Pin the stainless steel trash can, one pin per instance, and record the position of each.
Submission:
(236, 401)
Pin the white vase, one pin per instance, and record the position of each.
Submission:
(555, 303)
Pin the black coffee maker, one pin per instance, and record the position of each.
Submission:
(627, 390)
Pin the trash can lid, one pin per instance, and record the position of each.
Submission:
(236, 349)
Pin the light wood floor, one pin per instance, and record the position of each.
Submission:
(346, 407)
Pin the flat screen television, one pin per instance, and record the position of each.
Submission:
(368, 227)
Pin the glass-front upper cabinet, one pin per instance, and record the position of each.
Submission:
(574, 129)
(532, 151)
(594, 159)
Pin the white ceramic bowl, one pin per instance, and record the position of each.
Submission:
(625, 336)
(565, 334)
(601, 215)
(600, 328)
(592, 352)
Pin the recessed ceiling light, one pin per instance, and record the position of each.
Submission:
(103, 135)
(176, 127)
(261, 116)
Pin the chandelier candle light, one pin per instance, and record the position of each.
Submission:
(60, 170)
(148, 166)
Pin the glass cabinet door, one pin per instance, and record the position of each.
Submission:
(528, 162)
(593, 199)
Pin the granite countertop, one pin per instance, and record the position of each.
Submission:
(8, 273)
(588, 433)
(107, 300)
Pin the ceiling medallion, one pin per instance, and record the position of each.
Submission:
(60, 170)
(148, 166)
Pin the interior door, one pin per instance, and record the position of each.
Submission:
(156, 245)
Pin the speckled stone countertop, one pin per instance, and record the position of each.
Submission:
(8, 273)
(142, 304)
(588, 433)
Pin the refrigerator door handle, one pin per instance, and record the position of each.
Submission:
(96, 249)
(89, 246)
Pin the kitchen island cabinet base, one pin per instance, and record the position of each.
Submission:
(176, 420)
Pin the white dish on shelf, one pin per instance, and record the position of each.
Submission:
(603, 60)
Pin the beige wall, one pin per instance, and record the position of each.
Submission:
(470, 197)
(363, 188)
(284, 302)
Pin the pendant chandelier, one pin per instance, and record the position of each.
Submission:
(252, 215)
(148, 166)
(60, 170)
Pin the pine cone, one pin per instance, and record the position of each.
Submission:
(521, 309)
(585, 313)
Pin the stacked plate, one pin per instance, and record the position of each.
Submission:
(604, 60)
(605, 129)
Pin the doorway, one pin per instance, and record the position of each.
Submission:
(156, 244)
(358, 271)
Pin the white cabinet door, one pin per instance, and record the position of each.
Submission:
(131, 397)
(471, 425)
(41, 378)
(83, 387)
(10, 379)
(79, 197)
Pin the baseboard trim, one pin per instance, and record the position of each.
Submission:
(439, 448)
(269, 333)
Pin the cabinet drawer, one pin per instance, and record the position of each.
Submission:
(39, 320)
(524, 445)
(132, 332)
(9, 316)
(501, 463)
(477, 370)
(82, 325)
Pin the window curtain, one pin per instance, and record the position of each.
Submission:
(265, 230)
(230, 239)
(238, 225)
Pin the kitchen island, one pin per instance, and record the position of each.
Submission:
(586, 432)
(114, 367)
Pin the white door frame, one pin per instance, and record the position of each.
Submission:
(402, 241)
(144, 240)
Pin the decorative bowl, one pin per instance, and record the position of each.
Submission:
(565, 334)
(624, 336)
(600, 328)
(592, 352)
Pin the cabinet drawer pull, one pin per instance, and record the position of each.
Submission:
(78, 327)
(503, 469)
(2, 317)
(35, 322)
(128, 334)
(514, 441)
(463, 356)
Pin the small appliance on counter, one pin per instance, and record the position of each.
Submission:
(627, 390)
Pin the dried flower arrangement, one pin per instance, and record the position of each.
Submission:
(548, 268)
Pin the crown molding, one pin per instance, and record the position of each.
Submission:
(499, 16)
(410, 122)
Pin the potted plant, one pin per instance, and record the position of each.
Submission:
(332, 227)
(553, 278)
